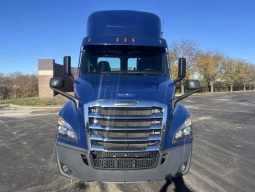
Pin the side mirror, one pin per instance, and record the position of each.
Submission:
(192, 84)
(182, 68)
(57, 82)
(67, 66)
(57, 85)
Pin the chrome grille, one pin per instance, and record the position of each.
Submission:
(147, 154)
(129, 160)
(125, 130)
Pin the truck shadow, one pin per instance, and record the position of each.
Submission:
(179, 185)
(79, 185)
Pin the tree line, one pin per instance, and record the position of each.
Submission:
(212, 68)
(18, 85)
(216, 72)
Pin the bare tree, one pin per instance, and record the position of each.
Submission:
(187, 49)
(17, 85)
(5, 87)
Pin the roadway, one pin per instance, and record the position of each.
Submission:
(223, 150)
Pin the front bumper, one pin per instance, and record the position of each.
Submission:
(71, 157)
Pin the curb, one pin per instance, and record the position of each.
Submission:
(30, 107)
(219, 93)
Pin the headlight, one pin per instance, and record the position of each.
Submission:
(184, 132)
(65, 130)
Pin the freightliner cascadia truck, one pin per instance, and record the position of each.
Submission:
(123, 122)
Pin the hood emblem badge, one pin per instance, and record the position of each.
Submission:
(125, 103)
(125, 95)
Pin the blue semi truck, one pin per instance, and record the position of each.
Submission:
(123, 123)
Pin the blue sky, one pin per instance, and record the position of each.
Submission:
(33, 29)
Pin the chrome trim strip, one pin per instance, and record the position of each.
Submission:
(111, 103)
(150, 138)
(114, 117)
(126, 102)
(138, 129)
(101, 148)
(86, 125)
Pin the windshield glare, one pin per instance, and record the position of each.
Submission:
(124, 60)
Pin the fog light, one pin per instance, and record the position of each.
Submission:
(164, 156)
(182, 168)
(65, 169)
(85, 159)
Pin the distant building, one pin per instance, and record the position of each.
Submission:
(47, 68)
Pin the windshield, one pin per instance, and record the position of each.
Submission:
(124, 60)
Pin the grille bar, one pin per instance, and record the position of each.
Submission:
(103, 148)
(113, 117)
(126, 146)
(152, 127)
(145, 123)
(124, 111)
(121, 140)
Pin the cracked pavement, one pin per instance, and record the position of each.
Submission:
(223, 149)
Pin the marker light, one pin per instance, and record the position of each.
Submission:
(65, 130)
(184, 132)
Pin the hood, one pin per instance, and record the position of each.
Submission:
(124, 87)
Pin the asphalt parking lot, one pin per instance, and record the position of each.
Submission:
(223, 150)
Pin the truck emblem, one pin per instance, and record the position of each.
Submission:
(120, 103)
(125, 95)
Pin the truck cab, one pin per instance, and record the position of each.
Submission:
(123, 123)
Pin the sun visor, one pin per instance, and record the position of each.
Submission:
(124, 28)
